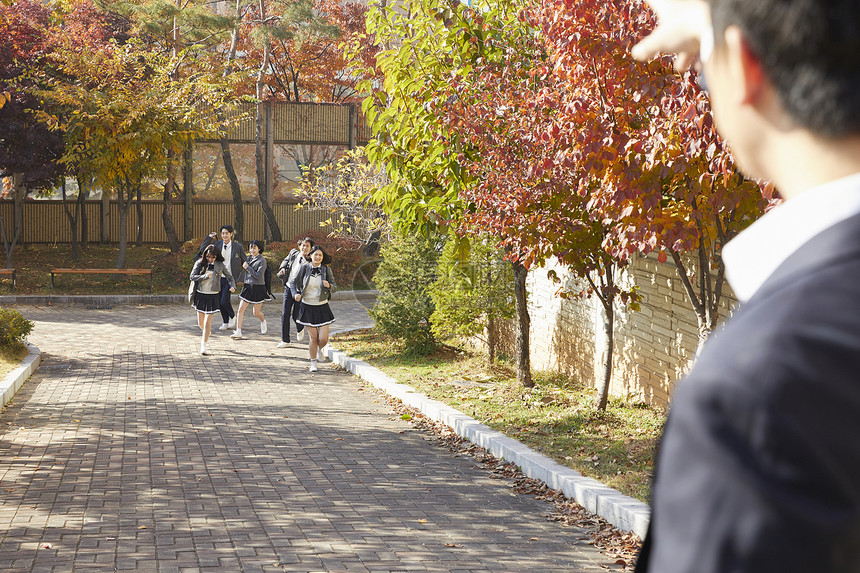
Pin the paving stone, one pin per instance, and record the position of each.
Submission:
(127, 450)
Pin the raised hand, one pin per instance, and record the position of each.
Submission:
(684, 28)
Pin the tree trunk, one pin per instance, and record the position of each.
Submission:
(9, 247)
(17, 188)
(83, 193)
(524, 374)
(167, 204)
(124, 197)
(105, 234)
(491, 339)
(492, 335)
(19, 193)
(706, 303)
(188, 191)
(139, 239)
(238, 213)
(272, 222)
(272, 230)
(606, 370)
(73, 222)
(371, 247)
(226, 156)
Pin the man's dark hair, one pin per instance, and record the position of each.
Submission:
(228, 227)
(810, 51)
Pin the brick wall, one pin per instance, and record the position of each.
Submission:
(653, 347)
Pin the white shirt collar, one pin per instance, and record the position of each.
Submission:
(754, 255)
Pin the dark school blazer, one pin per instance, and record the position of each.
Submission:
(238, 257)
(294, 257)
(759, 465)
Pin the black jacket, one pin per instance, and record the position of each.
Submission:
(759, 465)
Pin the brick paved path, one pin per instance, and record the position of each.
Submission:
(127, 450)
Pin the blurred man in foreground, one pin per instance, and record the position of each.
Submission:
(759, 466)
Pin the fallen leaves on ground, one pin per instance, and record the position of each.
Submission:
(620, 546)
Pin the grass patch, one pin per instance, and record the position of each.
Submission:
(556, 417)
(11, 357)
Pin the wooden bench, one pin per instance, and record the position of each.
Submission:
(103, 272)
(9, 272)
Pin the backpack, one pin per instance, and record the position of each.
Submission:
(291, 258)
(268, 279)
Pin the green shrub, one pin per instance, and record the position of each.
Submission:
(475, 288)
(13, 327)
(404, 277)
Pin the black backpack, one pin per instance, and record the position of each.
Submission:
(268, 278)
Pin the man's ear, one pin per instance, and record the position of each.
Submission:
(745, 67)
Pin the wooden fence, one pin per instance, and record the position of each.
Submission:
(45, 221)
(300, 123)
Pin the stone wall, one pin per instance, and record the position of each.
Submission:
(653, 347)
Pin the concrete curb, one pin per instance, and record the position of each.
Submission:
(15, 379)
(622, 511)
(114, 300)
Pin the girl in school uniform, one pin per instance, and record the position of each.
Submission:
(254, 289)
(288, 270)
(312, 288)
(207, 273)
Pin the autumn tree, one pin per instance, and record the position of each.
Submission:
(430, 45)
(79, 25)
(121, 115)
(228, 68)
(504, 129)
(186, 32)
(29, 151)
(344, 190)
(644, 134)
(464, 140)
(417, 55)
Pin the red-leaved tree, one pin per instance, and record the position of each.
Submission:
(503, 117)
(29, 151)
(663, 179)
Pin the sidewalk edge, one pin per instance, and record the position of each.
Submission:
(15, 379)
(109, 300)
(622, 511)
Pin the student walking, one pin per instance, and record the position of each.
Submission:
(312, 288)
(208, 272)
(254, 289)
(234, 257)
(288, 270)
